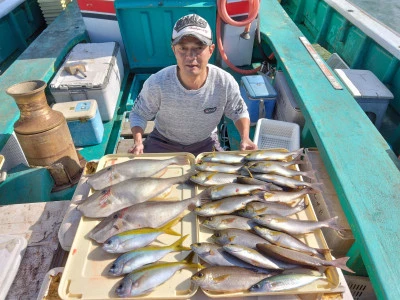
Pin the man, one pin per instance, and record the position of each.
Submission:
(188, 100)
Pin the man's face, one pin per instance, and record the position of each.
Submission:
(192, 56)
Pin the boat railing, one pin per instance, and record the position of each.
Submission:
(363, 168)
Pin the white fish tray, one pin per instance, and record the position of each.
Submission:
(85, 273)
(315, 239)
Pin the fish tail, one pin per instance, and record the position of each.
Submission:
(189, 261)
(296, 155)
(301, 205)
(315, 186)
(177, 246)
(167, 227)
(310, 174)
(333, 223)
(341, 263)
(181, 160)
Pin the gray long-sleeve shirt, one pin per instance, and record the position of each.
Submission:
(187, 116)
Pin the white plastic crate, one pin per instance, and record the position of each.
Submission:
(277, 134)
(360, 287)
(13, 153)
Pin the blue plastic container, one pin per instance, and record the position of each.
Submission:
(259, 96)
(84, 121)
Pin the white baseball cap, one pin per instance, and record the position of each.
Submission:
(192, 25)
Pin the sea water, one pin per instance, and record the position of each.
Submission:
(386, 11)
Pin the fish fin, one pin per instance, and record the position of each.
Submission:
(181, 160)
(333, 223)
(323, 251)
(160, 173)
(209, 177)
(296, 155)
(167, 227)
(189, 258)
(228, 220)
(221, 278)
(341, 263)
(177, 246)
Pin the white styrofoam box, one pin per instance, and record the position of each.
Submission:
(277, 134)
(287, 108)
(369, 92)
(11, 253)
(104, 74)
(238, 50)
(327, 205)
(13, 153)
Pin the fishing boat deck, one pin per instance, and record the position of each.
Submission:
(352, 148)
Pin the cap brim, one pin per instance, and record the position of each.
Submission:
(201, 38)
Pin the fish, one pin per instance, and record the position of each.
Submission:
(273, 155)
(137, 238)
(145, 279)
(226, 205)
(287, 241)
(275, 162)
(132, 168)
(126, 193)
(257, 208)
(286, 181)
(238, 237)
(223, 157)
(137, 258)
(213, 178)
(300, 258)
(140, 215)
(226, 279)
(271, 168)
(249, 180)
(218, 167)
(233, 189)
(253, 257)
(292, 226)
(228, 221)
(288, 196)
(215, 255)
(283, 282)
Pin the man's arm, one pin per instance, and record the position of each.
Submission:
(138, 147)
(243, 126)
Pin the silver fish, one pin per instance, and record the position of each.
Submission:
(288, 196)
(292, 226)
(271, 168)
(218, 167)
(145, 279)
(275, 162)
(252, 256)
(137, 238)
(284, 282)
(248, 180)
(126, 193)
(238, 237)
(215, 255)
(273, 155)
(223, 279)
(141, 215)
(213, 178)
(256, 208)
(135, 259)
(286, 181)
(226, 205)
(234, 189)
(287, 241)
(228, 221)
(223, 157)
(132, 168)
(300, 258)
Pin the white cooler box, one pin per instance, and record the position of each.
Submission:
(104, 74)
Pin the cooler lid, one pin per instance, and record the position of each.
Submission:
(363, 84)
(98, 60)
(258, 86)
(77, 110)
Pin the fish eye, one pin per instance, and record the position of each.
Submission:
(109, 168)
(200, 274)
(210, 218)
(115, 216)
(217, 234)
(108, 242)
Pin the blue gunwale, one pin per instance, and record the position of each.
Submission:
(363, 168)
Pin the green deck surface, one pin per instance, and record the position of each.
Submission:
(359, 161)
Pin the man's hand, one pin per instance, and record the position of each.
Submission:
(247, 144)
(136, 149)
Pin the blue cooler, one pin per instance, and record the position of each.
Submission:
(259, 96)
(84, 121)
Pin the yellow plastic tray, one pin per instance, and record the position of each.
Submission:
(85, 273)
(315, 239)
